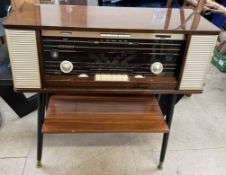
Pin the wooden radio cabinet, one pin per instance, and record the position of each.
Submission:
(104, 66)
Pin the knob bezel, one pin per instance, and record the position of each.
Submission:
(63, 69)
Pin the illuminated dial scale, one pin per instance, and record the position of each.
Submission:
(67, 67)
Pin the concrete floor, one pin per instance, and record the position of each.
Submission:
(197, 143)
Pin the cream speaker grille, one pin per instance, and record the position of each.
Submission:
(197, 62)
(23, 58)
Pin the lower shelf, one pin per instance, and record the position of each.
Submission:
(87, 114)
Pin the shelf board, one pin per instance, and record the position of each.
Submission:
(100, 114)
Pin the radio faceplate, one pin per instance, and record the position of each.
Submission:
(135, 57)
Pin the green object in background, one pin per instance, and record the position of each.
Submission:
(219, 61)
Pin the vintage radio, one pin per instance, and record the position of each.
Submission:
(102, 49)
(132, 52)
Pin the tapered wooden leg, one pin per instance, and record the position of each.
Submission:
(169, 116)
(41, 114)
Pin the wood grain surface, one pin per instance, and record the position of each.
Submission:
(92, 18)
(82, 114)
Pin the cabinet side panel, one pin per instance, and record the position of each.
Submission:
(23, 58)
(197, 62)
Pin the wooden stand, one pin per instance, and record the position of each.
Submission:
(102, 114)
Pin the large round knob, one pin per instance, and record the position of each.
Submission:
(66, 66)
(156, 68)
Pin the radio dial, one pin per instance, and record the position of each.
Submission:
(156, 68)
(66, 66)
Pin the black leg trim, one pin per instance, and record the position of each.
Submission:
(169, 116)
(41, 114)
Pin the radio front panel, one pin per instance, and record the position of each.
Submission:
(110, 56)
(82, 55)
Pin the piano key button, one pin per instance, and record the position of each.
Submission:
(139, 76)
(83, 76)
(97, 77)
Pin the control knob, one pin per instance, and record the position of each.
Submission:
(156, 68)
(66, 66)
(54, 54)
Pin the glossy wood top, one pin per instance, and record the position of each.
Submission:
(31, 16)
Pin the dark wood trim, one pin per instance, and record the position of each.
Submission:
(40, 57)
(73, 81)
(200, 32)
(125, 91)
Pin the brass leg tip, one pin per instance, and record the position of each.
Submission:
(39, 164)
(160, 166)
